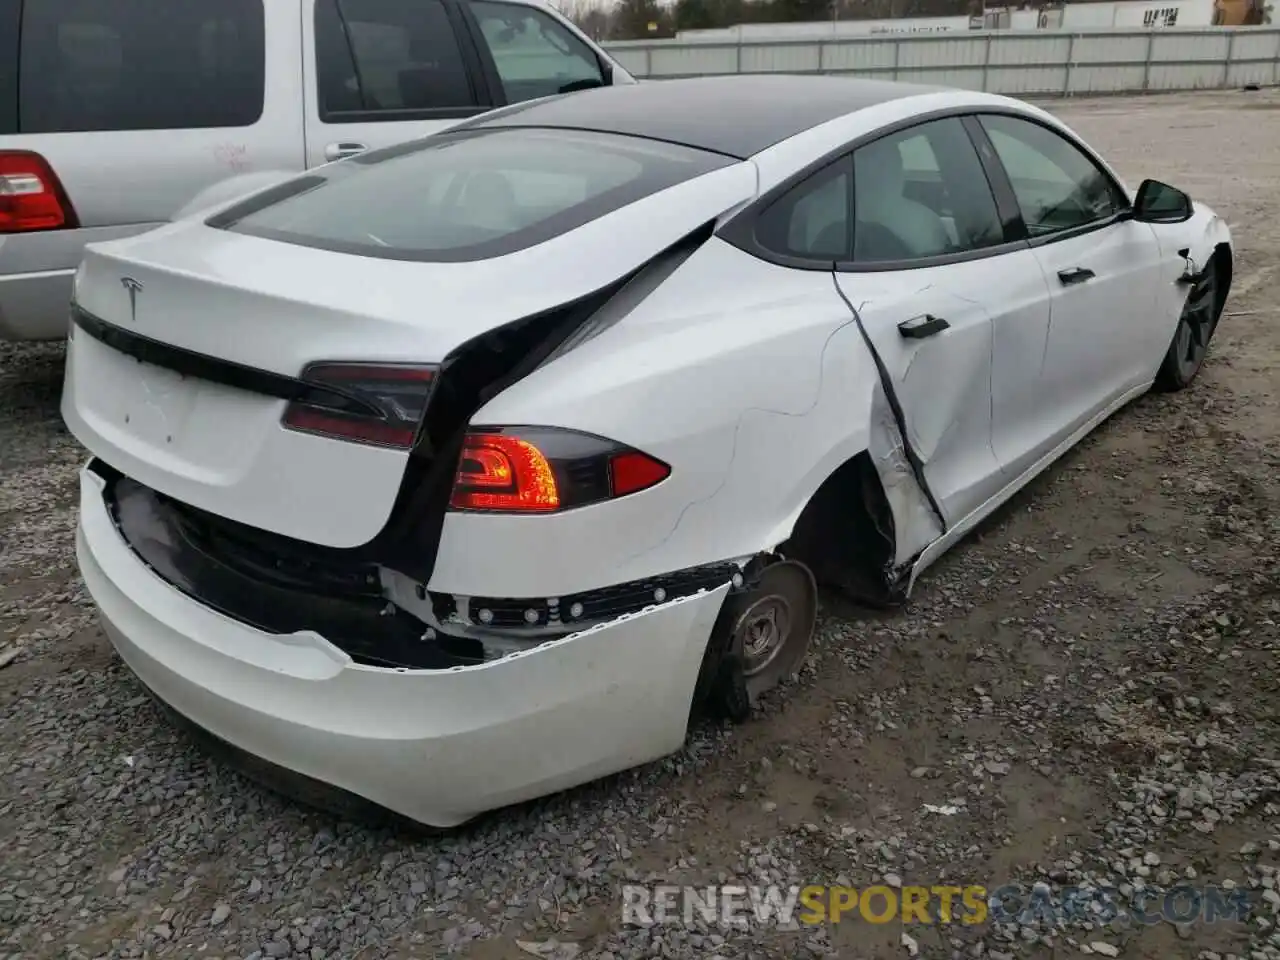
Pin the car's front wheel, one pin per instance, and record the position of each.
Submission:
(1195, 329)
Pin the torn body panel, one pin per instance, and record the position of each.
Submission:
(249, 307)
(540, 720)
(916, 524)
(746, 449)
(374, 615)
(1186, 250)
(944, 382)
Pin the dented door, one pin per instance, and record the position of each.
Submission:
(933, 330)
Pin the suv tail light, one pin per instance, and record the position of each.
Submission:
(375, 403)
(31, 196)
(544, 470)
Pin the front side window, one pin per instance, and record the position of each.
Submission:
(387, 59)
(922, 193)
(471, 195)
(1057, 185)
(535, 54)
(136, 64)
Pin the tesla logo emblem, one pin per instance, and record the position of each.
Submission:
(133, 286)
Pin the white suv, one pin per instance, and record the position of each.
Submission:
(115, 116)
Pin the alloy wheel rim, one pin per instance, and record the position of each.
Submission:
(1196, 326)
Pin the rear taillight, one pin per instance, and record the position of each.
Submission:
(31, 196)
(376, 403)
(544, 470)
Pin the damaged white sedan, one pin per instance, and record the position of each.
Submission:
(457, 473)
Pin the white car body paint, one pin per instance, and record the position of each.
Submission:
(223, 450)
(544, 719)
(753, 380)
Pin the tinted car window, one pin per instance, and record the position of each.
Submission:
(378, 59)
(9, 13)
(139, 64)
(536, 55)
(922, 193)
(1058, 187)
(811, 220)
(470, 195)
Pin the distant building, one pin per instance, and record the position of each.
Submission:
(1080, 15)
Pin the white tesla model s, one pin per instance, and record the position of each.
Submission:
(456, 473)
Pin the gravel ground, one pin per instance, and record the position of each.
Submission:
(1090, 681)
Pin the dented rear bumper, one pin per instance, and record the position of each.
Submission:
(437, 746)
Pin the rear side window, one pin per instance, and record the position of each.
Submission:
(139, 64)
(812, 220)
(470, 195)
(9, 13)
(389, 60)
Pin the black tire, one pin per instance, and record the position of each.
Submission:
(1196, 326)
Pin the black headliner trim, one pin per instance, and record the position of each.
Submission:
(738, 115)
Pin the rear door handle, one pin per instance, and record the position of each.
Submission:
(344, 149)
(925, 325)
(1075, 275)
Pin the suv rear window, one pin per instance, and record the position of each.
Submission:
(138, 64)
(468, 195)
(10, 10)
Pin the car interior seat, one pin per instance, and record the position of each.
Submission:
(490, 202)
(878, 181)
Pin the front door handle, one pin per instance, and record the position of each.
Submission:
(1075, 275)
(344, 149)
(925, 325)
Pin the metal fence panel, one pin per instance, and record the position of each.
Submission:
(1042, 62)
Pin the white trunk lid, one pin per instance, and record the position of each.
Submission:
(272, 306)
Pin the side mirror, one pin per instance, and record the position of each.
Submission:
(1160, 203)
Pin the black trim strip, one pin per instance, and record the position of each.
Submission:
(913, 458)
(997, 179)
(1070, 233)
(488, 68)
(228, 373)
(229, 216)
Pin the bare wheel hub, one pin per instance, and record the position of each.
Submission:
(776, 625)
(764, 628)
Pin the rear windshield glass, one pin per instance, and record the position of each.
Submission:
(471, 195)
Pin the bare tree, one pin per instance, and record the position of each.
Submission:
(593, 17)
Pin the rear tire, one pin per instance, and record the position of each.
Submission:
(1196, 326)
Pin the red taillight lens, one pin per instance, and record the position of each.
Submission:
(380, 404)
(542, 470)
(31, 197)
(632, 472)
(497, 472)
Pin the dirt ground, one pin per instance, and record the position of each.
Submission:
(1090, 679)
